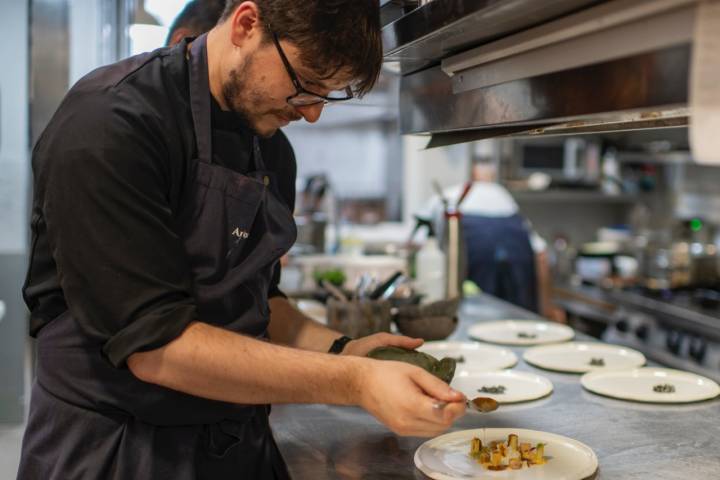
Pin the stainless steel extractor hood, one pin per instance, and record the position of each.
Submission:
(474, 69)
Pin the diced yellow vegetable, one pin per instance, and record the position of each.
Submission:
(475, 446)
(513, 441)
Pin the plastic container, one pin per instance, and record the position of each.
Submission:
(430, 264)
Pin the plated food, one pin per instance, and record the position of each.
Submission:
(521, 332)
(448, 457)
(507, 386)
(472, 356)
(500, 455)
(582, 357)
(654, 385)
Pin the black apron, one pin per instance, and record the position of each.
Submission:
(89, 420)
(500, 258)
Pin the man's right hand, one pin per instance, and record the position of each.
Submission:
(402, 396)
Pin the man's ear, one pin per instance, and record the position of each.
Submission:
(245, 23)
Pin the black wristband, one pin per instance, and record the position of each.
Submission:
(339, 344)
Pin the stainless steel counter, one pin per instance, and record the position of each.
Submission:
(632, 441)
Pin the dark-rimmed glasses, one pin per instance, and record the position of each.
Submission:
(304, 97)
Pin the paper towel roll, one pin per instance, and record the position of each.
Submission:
(705, 85)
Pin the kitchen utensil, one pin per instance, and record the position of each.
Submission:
(521, 332)
(655, 385)
(505, 387)
(431, 321)
(477, 404)
(581, 357)
(472, 356)
(388, 284)
(359, 318)
(447, 457)
(334, 291)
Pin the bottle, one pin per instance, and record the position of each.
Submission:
(430, 267)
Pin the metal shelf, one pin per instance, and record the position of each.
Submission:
(572, 196)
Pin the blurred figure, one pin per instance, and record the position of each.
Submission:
(505, 257)
(198, 17)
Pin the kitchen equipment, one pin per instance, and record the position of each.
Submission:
(596, 261)
(477, 404)
(353, 266)
(505, 387)
(655, 385)
(453, 244)
(521, 332)
(581, 357)
(386, 288)
(430, 321)
(446, 457)
(472, 356)
(359, 318)
(482, 69)
(334, 291)
(431, 266)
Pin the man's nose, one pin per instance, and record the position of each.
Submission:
(311, 113)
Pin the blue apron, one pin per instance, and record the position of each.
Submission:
(500, 258)
(90, 420)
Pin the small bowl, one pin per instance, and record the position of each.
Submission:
(427, 328)
(430, 321)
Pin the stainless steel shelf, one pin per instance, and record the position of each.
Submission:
(572, 196)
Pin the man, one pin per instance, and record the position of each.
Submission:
(159, 215)
(196, 18)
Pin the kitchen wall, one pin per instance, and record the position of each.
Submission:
(357, 145)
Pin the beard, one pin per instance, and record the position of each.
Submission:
(249, 102)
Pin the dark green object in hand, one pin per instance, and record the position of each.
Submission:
(443, 369)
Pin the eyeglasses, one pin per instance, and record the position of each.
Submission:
(304, 97)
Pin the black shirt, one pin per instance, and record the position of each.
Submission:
(110, 171)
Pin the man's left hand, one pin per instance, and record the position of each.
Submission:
(362, 346)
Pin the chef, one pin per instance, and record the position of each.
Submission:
(505, 257)
(162, 204)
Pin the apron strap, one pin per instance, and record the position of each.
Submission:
(200, 98)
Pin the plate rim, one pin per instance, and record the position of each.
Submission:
(519, 431)
(584, 380)
(520, 373)
(534, 349)
(507, 352)
(522, 343)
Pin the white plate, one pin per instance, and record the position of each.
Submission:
(519, 386)
(638, 385)
(578, 357)
(447, 457)
(474, 356)
(521, 332)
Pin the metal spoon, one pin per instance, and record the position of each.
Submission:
(479, 404)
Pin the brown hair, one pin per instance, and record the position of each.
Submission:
(331, 35)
